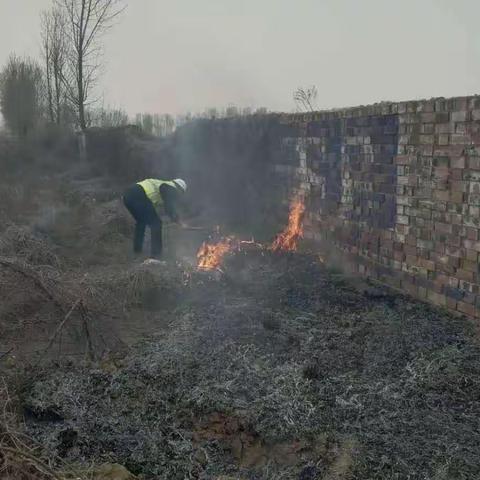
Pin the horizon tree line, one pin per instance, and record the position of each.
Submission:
(61, 87)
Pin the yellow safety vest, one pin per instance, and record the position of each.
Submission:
(152, 189)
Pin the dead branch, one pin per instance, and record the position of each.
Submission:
(27, 272)
(3, 355)
(24, 270)
(39, 464)
(62, 323)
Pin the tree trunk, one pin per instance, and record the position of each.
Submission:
(58, 94)
(81, 99)
(48, 74)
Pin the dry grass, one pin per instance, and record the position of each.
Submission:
(20, 459)
(290, 359)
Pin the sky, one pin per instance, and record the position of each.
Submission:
(188, 55)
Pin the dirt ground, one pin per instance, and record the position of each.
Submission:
(276, 368)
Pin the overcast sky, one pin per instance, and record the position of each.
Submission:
(187, 55)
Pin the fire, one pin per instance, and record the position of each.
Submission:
(210, 255)
(288, 239)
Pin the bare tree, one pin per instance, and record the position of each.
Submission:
(87, 21)
(55, 52)
(22, 94)
(232, 111)
(109, 117)
(305, 98)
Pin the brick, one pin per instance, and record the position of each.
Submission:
(470, 298)
(422, 292)
(475, 114)
(425, 244)
(441, 116)
(471, 221)
(427, 264)
(440, 217)
(454, 293)
(411, 239)
(410, 250)
(454, 253)
(403, 219)
(439, 258)
(449, 151)
(457, 174)
(457, 162)
(474, 211)
(456, 197)
(410, 288)
(426, 139)
(440, 206)
(424, 213)
(460, 139)
(436, 298)
(453, 241)
(470, 265)
(472, 175)
(441, 173)
(471, 245)
(402, 180)
(456, 218)
(474, 188)
(387, 235)
(441, 279)
(428, 128)
(451, 304)
(466, 308)
(443, 227)
(442, 128)
(461, 116)
(425, 234)
(464, 285)
(443, 139)
(472, 233)
(427, 118)
(442, 195)
(437, 286)
(441, 161)
(461, 103)
(413, 180)
(474, 163)
(447, 269)
(459, 186)
(473, 199)
(464, 275)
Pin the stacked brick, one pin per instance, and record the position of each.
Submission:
(438, 214)
(396, 187)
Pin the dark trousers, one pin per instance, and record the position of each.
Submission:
(144, 213)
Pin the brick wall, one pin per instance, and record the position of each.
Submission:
(394, 186)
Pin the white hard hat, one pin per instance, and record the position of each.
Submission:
(181, 183)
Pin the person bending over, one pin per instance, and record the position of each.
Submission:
(147, 201)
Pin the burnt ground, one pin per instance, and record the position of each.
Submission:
(276, 369)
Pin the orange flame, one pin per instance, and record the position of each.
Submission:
(210, 255)
(288, 239)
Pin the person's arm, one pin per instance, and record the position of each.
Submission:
(170, 196)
